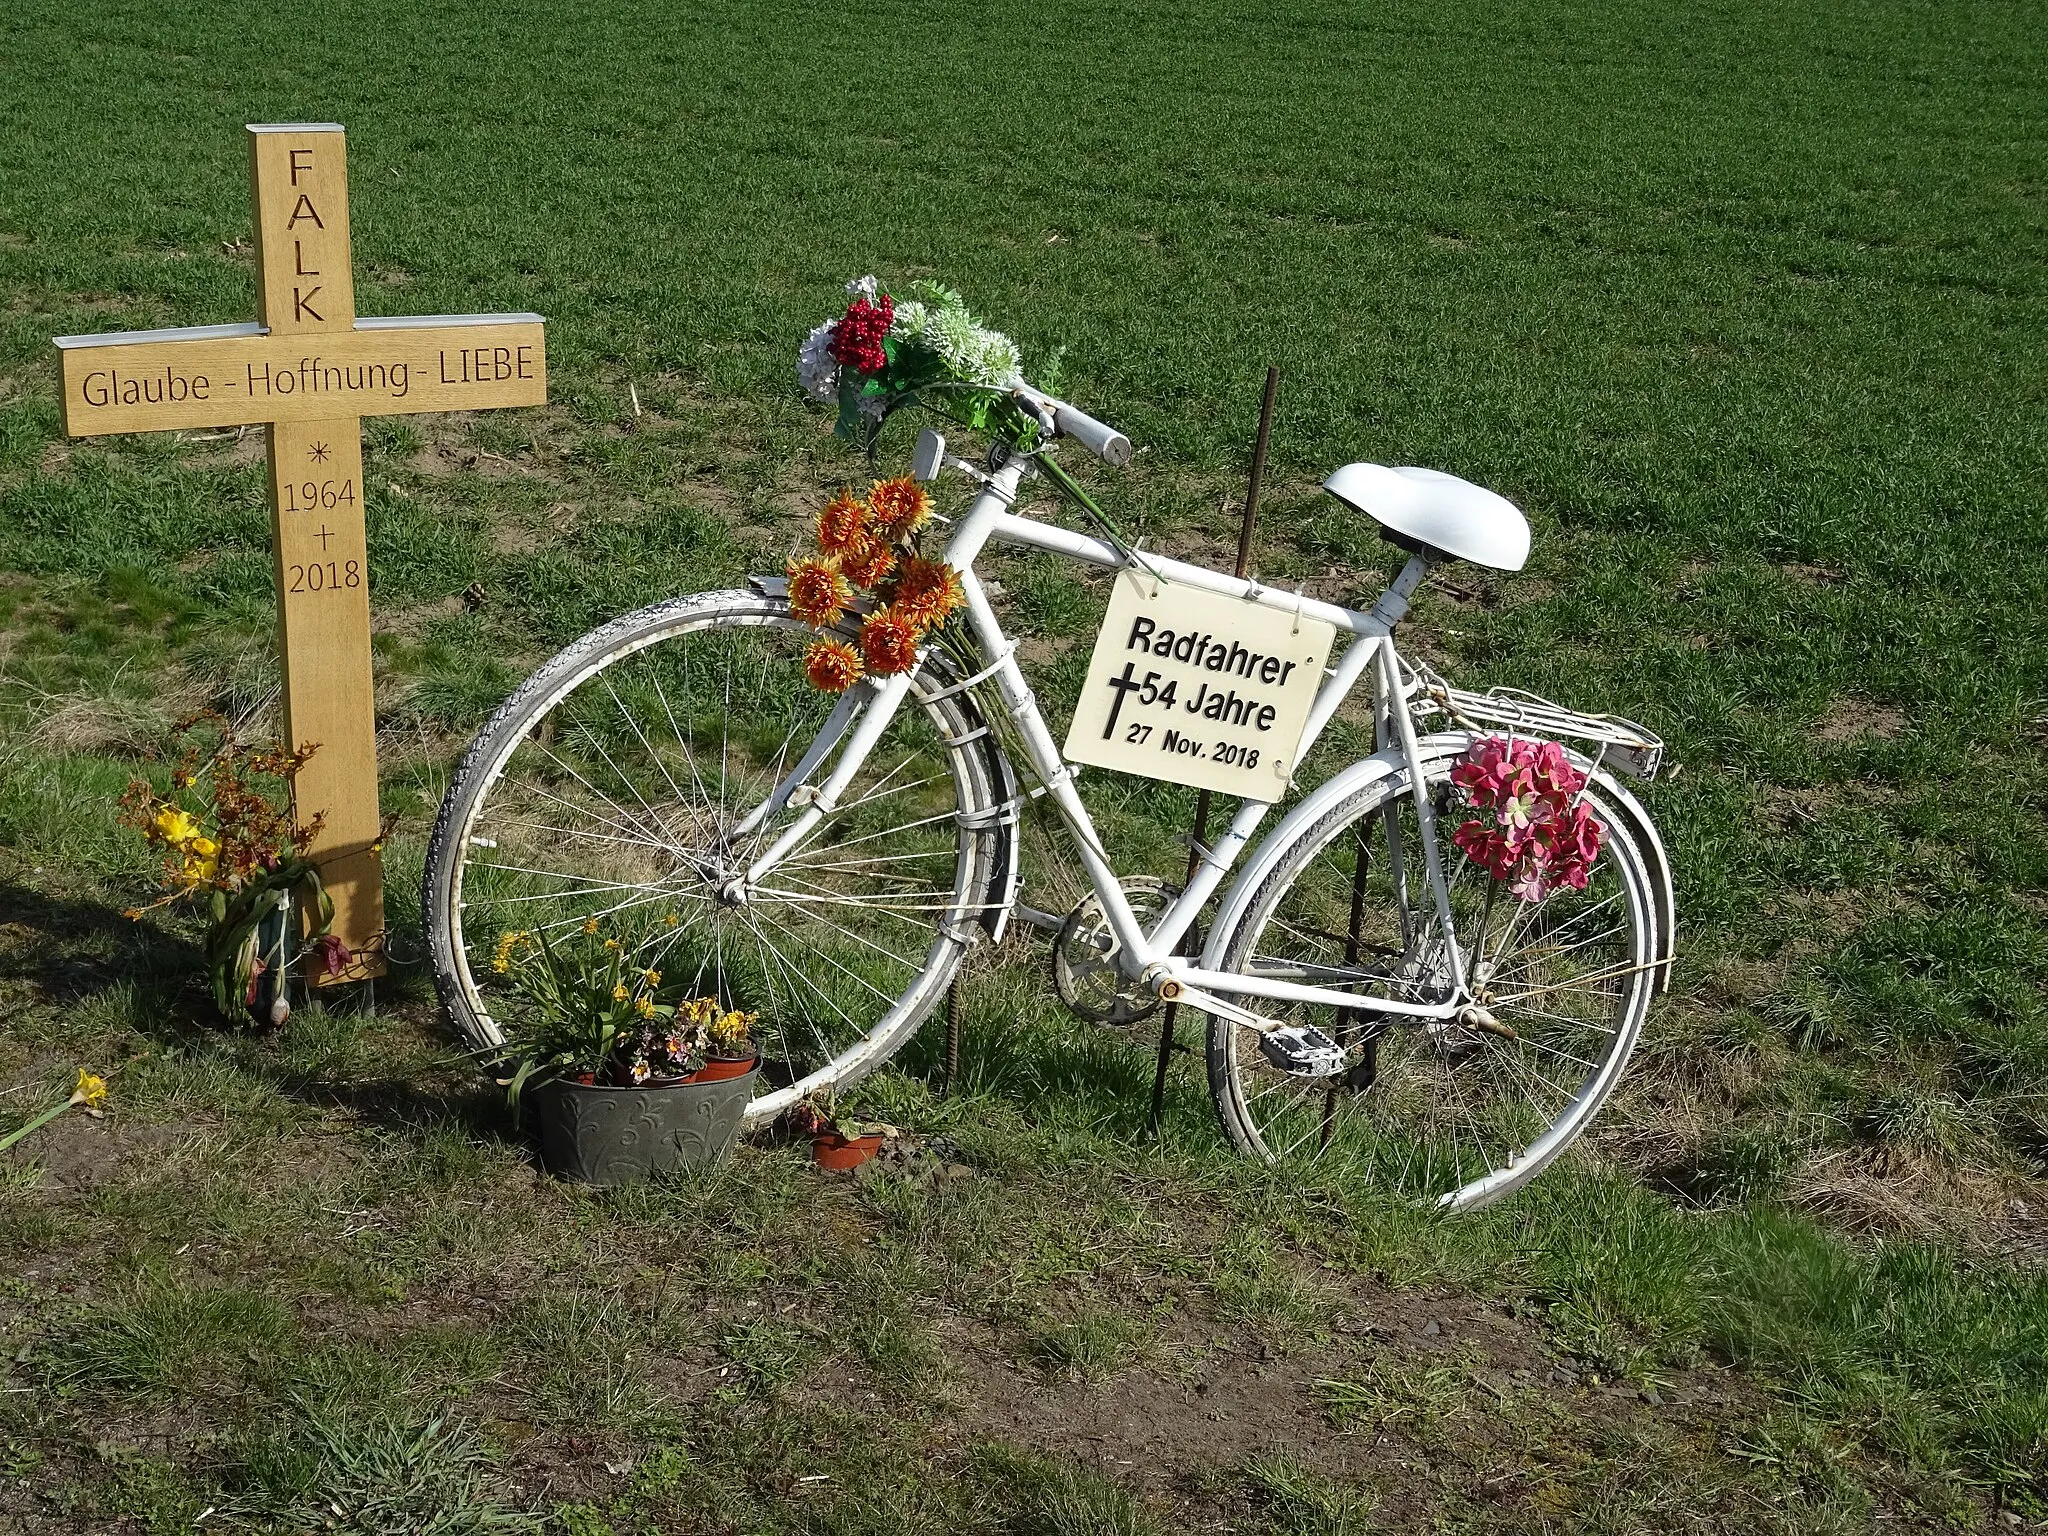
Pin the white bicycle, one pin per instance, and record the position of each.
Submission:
(1372, 995)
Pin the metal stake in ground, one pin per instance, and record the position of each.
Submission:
(1170, 1015)
(310, 370)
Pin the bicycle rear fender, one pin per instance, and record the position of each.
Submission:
(1436, 749)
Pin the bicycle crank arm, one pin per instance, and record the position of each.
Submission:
(1296, 1049)
(1193, 979)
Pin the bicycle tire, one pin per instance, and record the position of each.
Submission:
(947, 726)
(1630, 957)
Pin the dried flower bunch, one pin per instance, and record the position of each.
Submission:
(867, 546)
(228, 839)
(601, 1016)
(1536, 834)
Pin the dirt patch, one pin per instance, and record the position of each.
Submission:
(1427, 1382)
(231, 445)
(441, 461)
(1815, 575)
(1853, 719)
(76, 1152)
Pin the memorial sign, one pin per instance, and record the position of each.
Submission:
(310, 370)
(1198, 688)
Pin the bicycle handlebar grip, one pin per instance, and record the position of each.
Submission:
(1099, 438)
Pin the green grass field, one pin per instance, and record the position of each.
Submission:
(1745, 305)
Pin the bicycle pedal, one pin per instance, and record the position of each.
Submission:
(1302, 1051)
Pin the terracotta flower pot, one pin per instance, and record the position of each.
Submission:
(718, 1068)
(841, 1153)
(594, 1134)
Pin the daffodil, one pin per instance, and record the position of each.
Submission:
(174, 826)
(619, 993)
(201, 861)
(89, 1094)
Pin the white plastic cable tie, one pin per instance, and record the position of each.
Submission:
(982, 676)
(1158, 581)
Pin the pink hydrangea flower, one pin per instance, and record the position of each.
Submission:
(1538, 836)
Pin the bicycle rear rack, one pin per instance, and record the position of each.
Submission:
(1621, 743)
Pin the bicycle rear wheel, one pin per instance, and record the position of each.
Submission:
(1439, 1111)
(616, 784)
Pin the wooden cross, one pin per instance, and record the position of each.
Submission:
(310, 370)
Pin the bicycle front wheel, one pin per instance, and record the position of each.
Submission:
(622, 784)
(1436, 1110)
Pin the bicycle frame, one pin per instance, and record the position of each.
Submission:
(1149, 958)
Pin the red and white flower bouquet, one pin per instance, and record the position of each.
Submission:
(919, 346)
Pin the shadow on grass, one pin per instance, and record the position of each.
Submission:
(390, 1071)
(75, 953)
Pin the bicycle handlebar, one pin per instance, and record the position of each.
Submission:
(1099, 438)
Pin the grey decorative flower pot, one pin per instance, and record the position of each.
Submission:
(606, 1136)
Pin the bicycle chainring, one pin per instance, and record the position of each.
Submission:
(1084, 957)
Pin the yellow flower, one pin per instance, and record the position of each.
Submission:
(174, 826)
(90, 1090)
(203, 847)
(672, 920)
(644, 1007)
(501, 962)
(590, 925)
(619, 993)
(652, 978)
(611, 943)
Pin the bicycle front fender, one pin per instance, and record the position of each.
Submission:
(1438, 749)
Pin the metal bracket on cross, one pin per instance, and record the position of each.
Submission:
(310, 371)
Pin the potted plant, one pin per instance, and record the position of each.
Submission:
(608, 1064)
(728, 1037)
(229, 844)
(839, 1141)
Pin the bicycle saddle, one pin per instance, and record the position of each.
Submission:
(1440, 511)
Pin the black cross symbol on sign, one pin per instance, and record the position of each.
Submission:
(1123, 686)
(323, 536)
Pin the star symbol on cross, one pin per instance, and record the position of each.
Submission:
(318, 454)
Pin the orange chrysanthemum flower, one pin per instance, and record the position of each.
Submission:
(927, 592)
(818, 594)
(843, 525)
(899, 507)
(832, 666)
(867, 563)
(888, 643)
